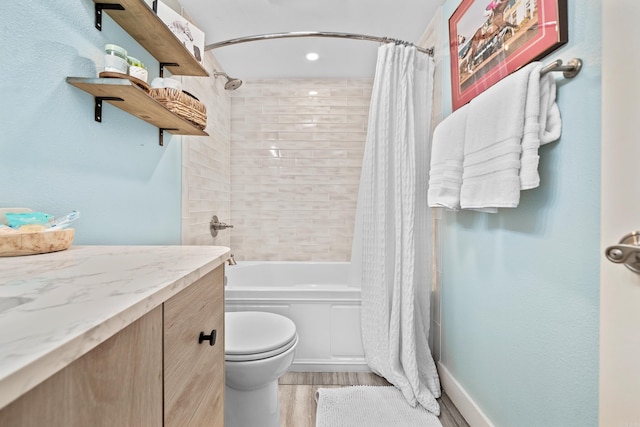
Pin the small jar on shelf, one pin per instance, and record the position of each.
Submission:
(115, 59)
(137, 69)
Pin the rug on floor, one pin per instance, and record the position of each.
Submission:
(369, 406)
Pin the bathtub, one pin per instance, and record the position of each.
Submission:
(316, 296)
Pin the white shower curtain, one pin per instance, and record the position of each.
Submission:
(391, 253)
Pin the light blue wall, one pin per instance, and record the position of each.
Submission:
(53, 156)
(520, 289)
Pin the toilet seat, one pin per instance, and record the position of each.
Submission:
(260, 356)
(254, 335)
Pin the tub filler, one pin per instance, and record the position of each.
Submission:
(316, 296)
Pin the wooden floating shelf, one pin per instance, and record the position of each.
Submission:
(137, 102)
(141, 22)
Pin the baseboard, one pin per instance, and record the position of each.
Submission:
(465, 404)
(329, 366)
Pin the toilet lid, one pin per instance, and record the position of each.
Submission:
(257, 333)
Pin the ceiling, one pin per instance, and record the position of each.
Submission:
(285, 58)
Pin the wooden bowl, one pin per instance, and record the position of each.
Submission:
(35, 243)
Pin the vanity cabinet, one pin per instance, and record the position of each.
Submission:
(118, 383)
(194, 354)
(155, 372)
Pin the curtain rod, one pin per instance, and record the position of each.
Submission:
(428, 51)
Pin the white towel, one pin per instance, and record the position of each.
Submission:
(493, 144)
(550, 120)
(542, 125)
(445, 174)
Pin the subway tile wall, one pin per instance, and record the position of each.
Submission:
(205, 163)
(296, 155)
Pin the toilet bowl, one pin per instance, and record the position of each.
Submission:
(259, 348)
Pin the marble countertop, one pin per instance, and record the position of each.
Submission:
(56, 307)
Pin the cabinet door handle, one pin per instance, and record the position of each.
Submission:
(211, 338)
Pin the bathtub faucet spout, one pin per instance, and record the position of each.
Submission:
(231, 260)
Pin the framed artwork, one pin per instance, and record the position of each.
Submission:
(490, 39)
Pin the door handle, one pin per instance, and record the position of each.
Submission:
(627, 252)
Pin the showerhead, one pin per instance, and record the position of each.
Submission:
(231, 84)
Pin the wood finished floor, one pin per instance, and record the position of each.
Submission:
(298, 404)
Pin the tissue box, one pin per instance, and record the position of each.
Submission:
(190, 35)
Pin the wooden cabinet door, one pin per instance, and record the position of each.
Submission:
(118, 383)
(194, 372)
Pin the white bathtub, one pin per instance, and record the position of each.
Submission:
(316, 296)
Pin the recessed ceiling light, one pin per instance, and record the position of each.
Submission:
(312, 56)
(313, 92)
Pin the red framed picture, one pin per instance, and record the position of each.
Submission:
(490, 39)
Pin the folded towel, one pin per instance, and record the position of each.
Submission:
(550, 120)
(445, 174)
(495, 127)
(542, 125)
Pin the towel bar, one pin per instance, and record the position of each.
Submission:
(570, 70)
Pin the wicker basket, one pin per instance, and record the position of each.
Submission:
(183, 105)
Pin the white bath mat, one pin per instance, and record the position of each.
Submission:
(369, 406)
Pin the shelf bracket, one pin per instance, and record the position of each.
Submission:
(167, 64)
(99, 7)
(161, 134)
(98, 106)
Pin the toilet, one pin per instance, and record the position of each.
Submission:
(259, 348)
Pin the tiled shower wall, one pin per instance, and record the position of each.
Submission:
(205, 163)
(296, 155)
